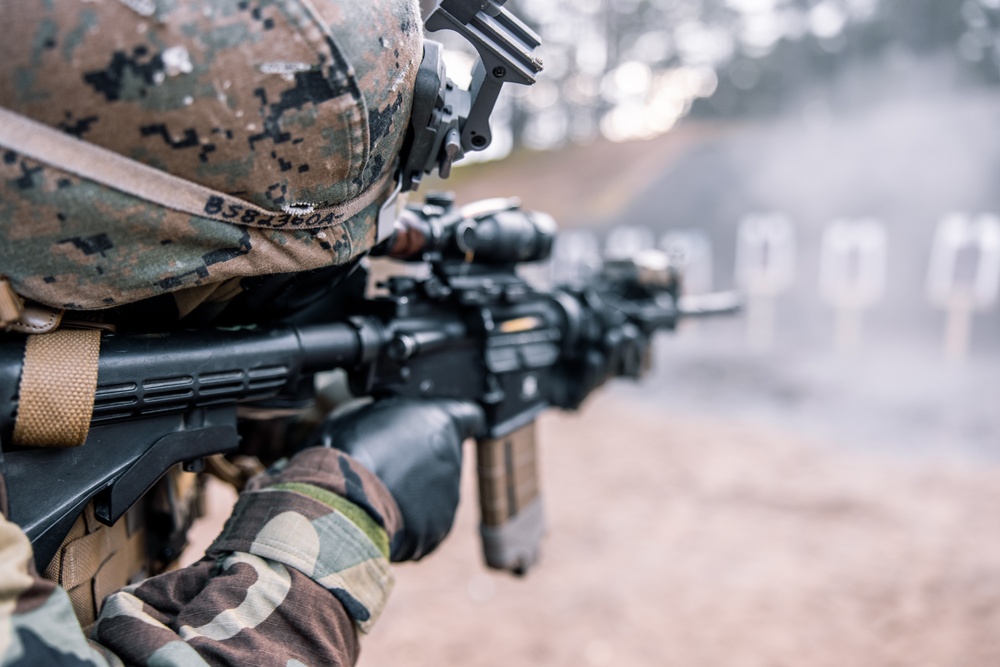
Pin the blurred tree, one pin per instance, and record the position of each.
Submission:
(610, 59)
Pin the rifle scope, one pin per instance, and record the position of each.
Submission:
(493, 231)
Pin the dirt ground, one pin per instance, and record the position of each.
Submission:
(678, 541)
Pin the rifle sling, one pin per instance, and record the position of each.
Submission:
(56, 394)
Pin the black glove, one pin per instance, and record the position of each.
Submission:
(415, 448)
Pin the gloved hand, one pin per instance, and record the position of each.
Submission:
(415, 448)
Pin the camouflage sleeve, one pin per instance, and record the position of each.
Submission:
(300, 567)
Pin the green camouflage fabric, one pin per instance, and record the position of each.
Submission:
(285, 108)
(301, 567)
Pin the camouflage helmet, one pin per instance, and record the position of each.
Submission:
(150, 146)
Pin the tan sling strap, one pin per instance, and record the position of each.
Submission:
(100, 165)
(58, 381)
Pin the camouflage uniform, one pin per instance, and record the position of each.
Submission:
(301, 565)
(152, 146)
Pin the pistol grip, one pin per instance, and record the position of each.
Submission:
(512, 518)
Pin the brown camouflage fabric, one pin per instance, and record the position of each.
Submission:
(284, 108)
(301, 567)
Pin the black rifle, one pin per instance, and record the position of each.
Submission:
(472, 330)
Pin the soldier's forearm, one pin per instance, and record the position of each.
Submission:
(300, 567)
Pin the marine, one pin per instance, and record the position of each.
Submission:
(161, 160)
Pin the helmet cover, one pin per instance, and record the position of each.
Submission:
(161, 145)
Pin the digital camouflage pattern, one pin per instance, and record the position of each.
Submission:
(300, 567)
(283, 107)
